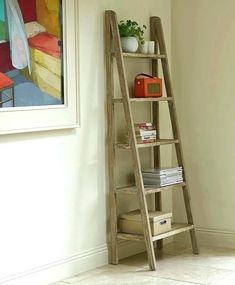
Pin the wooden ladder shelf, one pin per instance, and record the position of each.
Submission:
(114, 50)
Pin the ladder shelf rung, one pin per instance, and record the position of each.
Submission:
(142, 55)
(142, 100)
(176, 229)
(133, 237)
(131, 190)
(158, 142)
(144, 145)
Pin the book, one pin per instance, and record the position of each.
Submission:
(158, 184)
(146, 133)
(163, 171)
(139, 141)
(163, 176)
(144, 126)
(146, 137)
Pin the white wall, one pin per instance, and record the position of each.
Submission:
(203, 44)
(53, 184)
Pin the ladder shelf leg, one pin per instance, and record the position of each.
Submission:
(175, 125)
(156, 120)
(111, 149)
(133, 143)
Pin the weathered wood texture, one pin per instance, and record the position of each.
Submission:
(142, 100)
(111, 145)
(174, 122)
(176, 229)
(158, 142)
(133, 143)
(114, 50)
(131, 190)
(140, 55)
(156, 120)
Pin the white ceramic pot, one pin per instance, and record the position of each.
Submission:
(151, 46)
(129, 44)
(144, 47)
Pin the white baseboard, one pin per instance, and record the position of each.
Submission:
(210, 237)
(60, 269)
(72, 265)
(216, 238)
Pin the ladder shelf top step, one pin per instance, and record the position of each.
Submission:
(144, 145)
(142, 55)
(176, 229)
(142, 100)
(147, 191)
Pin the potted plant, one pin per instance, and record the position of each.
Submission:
(131, 35)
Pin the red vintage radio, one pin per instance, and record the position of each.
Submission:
(147, 86)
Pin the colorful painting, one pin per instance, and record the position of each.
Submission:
(31, 53)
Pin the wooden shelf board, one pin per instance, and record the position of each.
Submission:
(125, 236)
(131, 190)
(152, 99)
(141, 55)
(142, 100)
(176, 229)
(144, 145)
(149, 191)
(159, 142)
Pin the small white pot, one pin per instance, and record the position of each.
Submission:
(151, 46)
(144, 47)
(129, 44)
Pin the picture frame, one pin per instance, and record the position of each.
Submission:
(52, 117)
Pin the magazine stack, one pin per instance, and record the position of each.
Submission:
(145, 132)
(162, 176)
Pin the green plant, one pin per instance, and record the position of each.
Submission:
(132, 29)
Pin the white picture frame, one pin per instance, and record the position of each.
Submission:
(40, 118)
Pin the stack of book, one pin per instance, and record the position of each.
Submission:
(145, 132)
(162, 176)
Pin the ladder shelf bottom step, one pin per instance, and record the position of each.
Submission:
(148, 190)
(176, 229)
